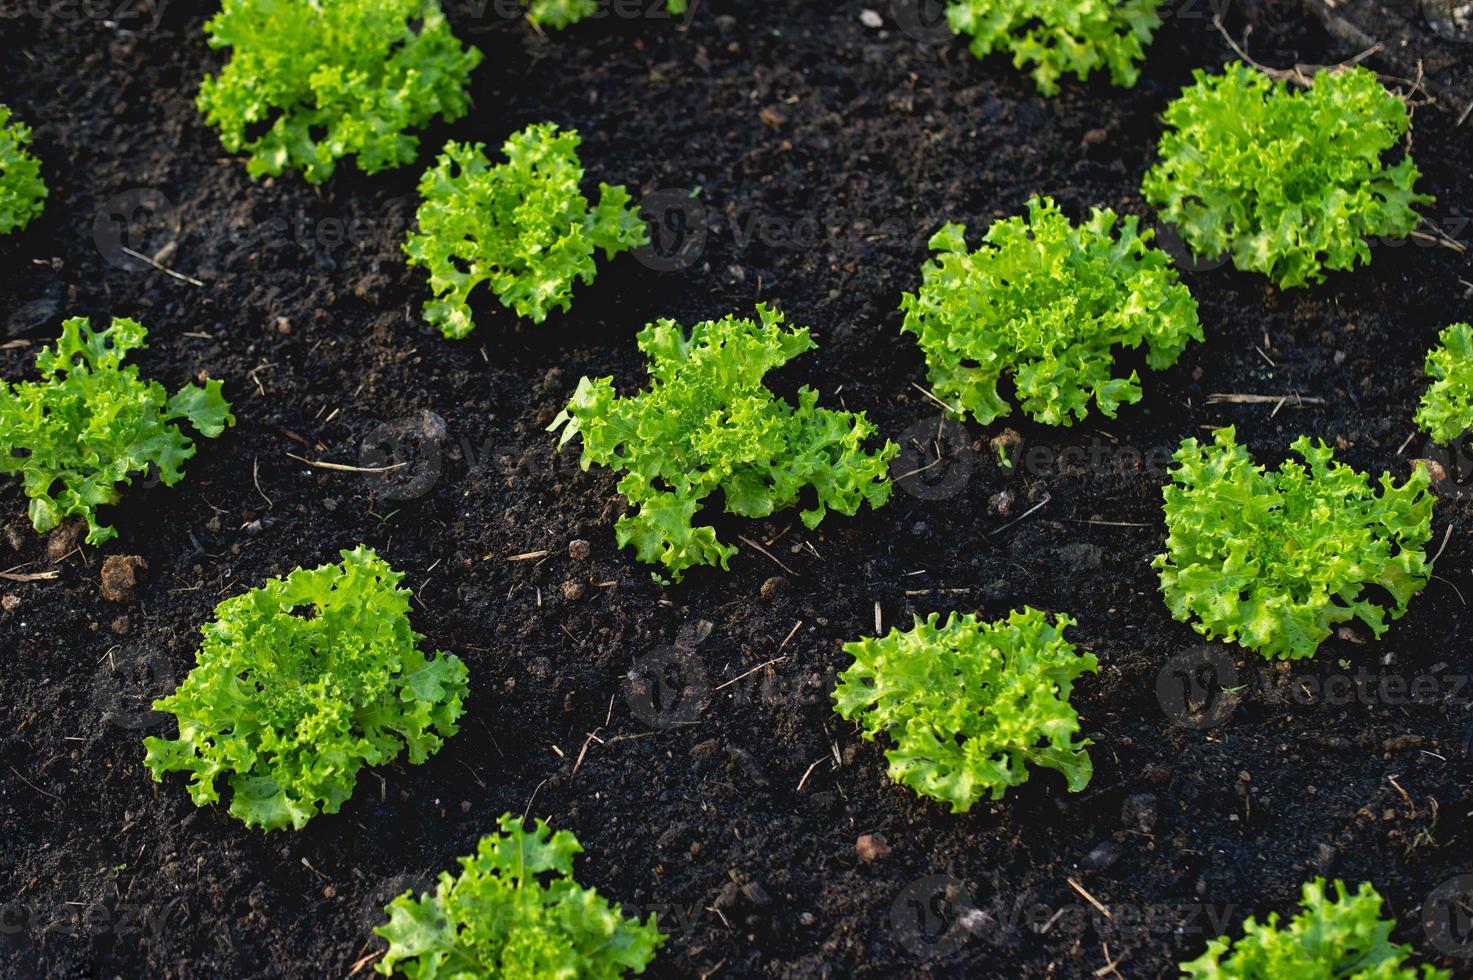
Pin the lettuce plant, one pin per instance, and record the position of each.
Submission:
(21, 188)
(1342, 937)
(301, 683)
(515, 912)
(970, 706)
(1446, 410)
(523, 226)
(1274, 561)
(77, 436)
(308, 84)
(1059, 37)
(1289, 183)
(708, 423)
(1046, 305)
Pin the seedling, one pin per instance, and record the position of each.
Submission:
(1274, 561)
(1343, 936)
(707, 423)
(1046, 304)
(1446, 410)
(970, 706)
(1060, 37)
(1288, 183)
(308, 84)
(523, 226)
(515, 911)
(81, 433)
(301, 683)
(22, 190)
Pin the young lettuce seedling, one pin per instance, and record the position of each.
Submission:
(515, 911)
(1046, 304)
(970, 706)
(301, 683)
(79, 435)
(1274, 560)
(308, 84)
(708, 423)
(1446, 410)
(21, 188)
(1288, 183)
(1058, 37)
(522, 226)
(1340, 937)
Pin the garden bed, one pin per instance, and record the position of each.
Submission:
(727, 795)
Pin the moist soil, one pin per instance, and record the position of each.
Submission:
(804, 158)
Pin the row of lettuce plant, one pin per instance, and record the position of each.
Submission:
(301, 683)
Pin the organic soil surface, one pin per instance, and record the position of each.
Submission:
(685, 733)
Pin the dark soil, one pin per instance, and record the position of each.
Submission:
(825, 154)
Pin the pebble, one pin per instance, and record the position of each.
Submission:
(1138, 812)
(871, 847)
(10, 603)
(1103, 856)
(579, 550)
(122, 575)
(773, 586)
(572, 590)
(1001, 504)
(871, 19)
(65, 538)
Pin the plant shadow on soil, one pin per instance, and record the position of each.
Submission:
(805, 119)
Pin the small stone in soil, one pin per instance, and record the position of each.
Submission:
(65, 538)
(1138, 812)
(121, 577)
(773, 586)
(572, 590)
(871, 847)
(579, 550)
(1103, 856)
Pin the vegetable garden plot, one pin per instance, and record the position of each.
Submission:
(480, 572)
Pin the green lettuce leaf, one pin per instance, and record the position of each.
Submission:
(970, 706)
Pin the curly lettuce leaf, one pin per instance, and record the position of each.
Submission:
(1275, 560)
(22, 190)
(1047, 304)
(301, 683)
(708, 423)
(515, 912)
(1060, 37)
(523, 227)
(970, 706)
(1446, 409)
(80, 434)
(1288, 183)
(1330, 938)
(309, 84)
